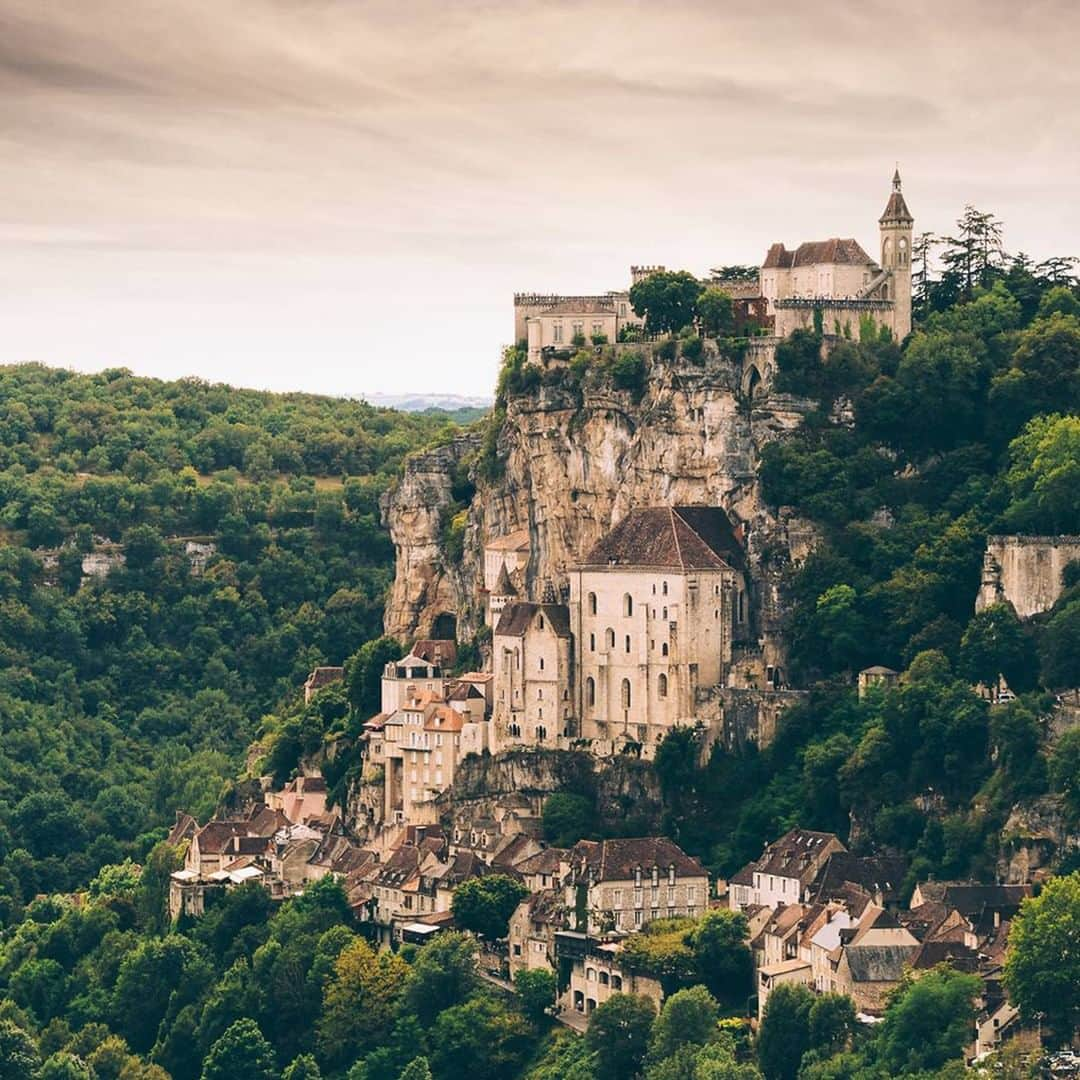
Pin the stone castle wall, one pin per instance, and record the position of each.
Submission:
(1025, 571)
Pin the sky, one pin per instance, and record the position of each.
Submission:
(342, 197)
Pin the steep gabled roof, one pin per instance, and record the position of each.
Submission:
(670, 538)
(503, 585)
(439, 651)
(617, 860)
(517, 618)
(836, 250)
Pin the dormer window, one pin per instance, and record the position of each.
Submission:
(671, 874)
(637, 877)
(655, 876)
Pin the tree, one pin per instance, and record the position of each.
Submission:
(417, 1069)
(1065, 770)
(360, 1002)
(716, 312)
(536, 989)
(1042, 966)
(18, 1056)
(480, 1040)
(928, 1021)
(1059, 656)
(720, 944)
(442, 975)
(784, 1035)
(142, 545)
(832, 1023)
(304, 1067)
(485, 904)
(618, 1034)
(242, 1053)
(687, 1018)
(567, 818)
(666, 299)
(64, 1066)
(363, 673)
(994, 644)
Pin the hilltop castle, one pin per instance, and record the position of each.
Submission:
(832, 282)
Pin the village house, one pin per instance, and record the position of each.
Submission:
(319, 679)
(869, 966)
(786, 872)
(590, 971)
(623, 884)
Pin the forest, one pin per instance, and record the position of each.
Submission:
(138, 689)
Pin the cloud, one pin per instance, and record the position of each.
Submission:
(199, 183)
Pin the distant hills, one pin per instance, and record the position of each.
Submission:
(450, 403)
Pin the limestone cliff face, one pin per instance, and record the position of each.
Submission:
(575, 460)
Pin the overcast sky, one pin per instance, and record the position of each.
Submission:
(342, 196)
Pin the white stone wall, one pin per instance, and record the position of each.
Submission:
(1025, 571)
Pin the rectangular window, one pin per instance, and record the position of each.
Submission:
(556, 333)
(638, 917)
(617, 901)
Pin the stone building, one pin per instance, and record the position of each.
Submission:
(840, 282)
(655, 608)
(534, 679)
(590, 970)
(623, 884)
(505, 561)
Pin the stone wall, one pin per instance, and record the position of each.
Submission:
(1025, 571)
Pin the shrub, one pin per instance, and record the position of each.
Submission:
(692, 348)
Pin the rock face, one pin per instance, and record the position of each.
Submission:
(624, 790)
(1035, 839)
(575, 459)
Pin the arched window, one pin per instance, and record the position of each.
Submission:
(604, 979)
(609, 637)
(590, 974)
(664, 613)
(661, 686)
(626, 693)
(616, 982)
(541, 733)
(541, 663)
(592, 643)
(590, 691)
(663, 588)
(627, 604)
(664, 649)
(627, 642)
(592, 603)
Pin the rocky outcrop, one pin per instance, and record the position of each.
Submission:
(426, 584)
(1036, 838)
(624, 790)
(575, 459)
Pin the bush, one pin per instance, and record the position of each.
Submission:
(667, 350)
(692, 349)
(628, 372)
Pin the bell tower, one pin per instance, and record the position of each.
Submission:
(896, 236)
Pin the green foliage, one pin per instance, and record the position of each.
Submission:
(302, 1067)
(928, 1022)
(618, 1034)
(629, 372)
(785, 1031)
(442, 976)
(667, 300)
(480, 1039)
(363, 673)
(485, 904)
(19, 1058)
(567, 818)
(536, 989)
(242, 1053)
(688, 1018)
(1042, 967)
(715, 312)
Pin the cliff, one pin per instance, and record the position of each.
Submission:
(574, 455)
